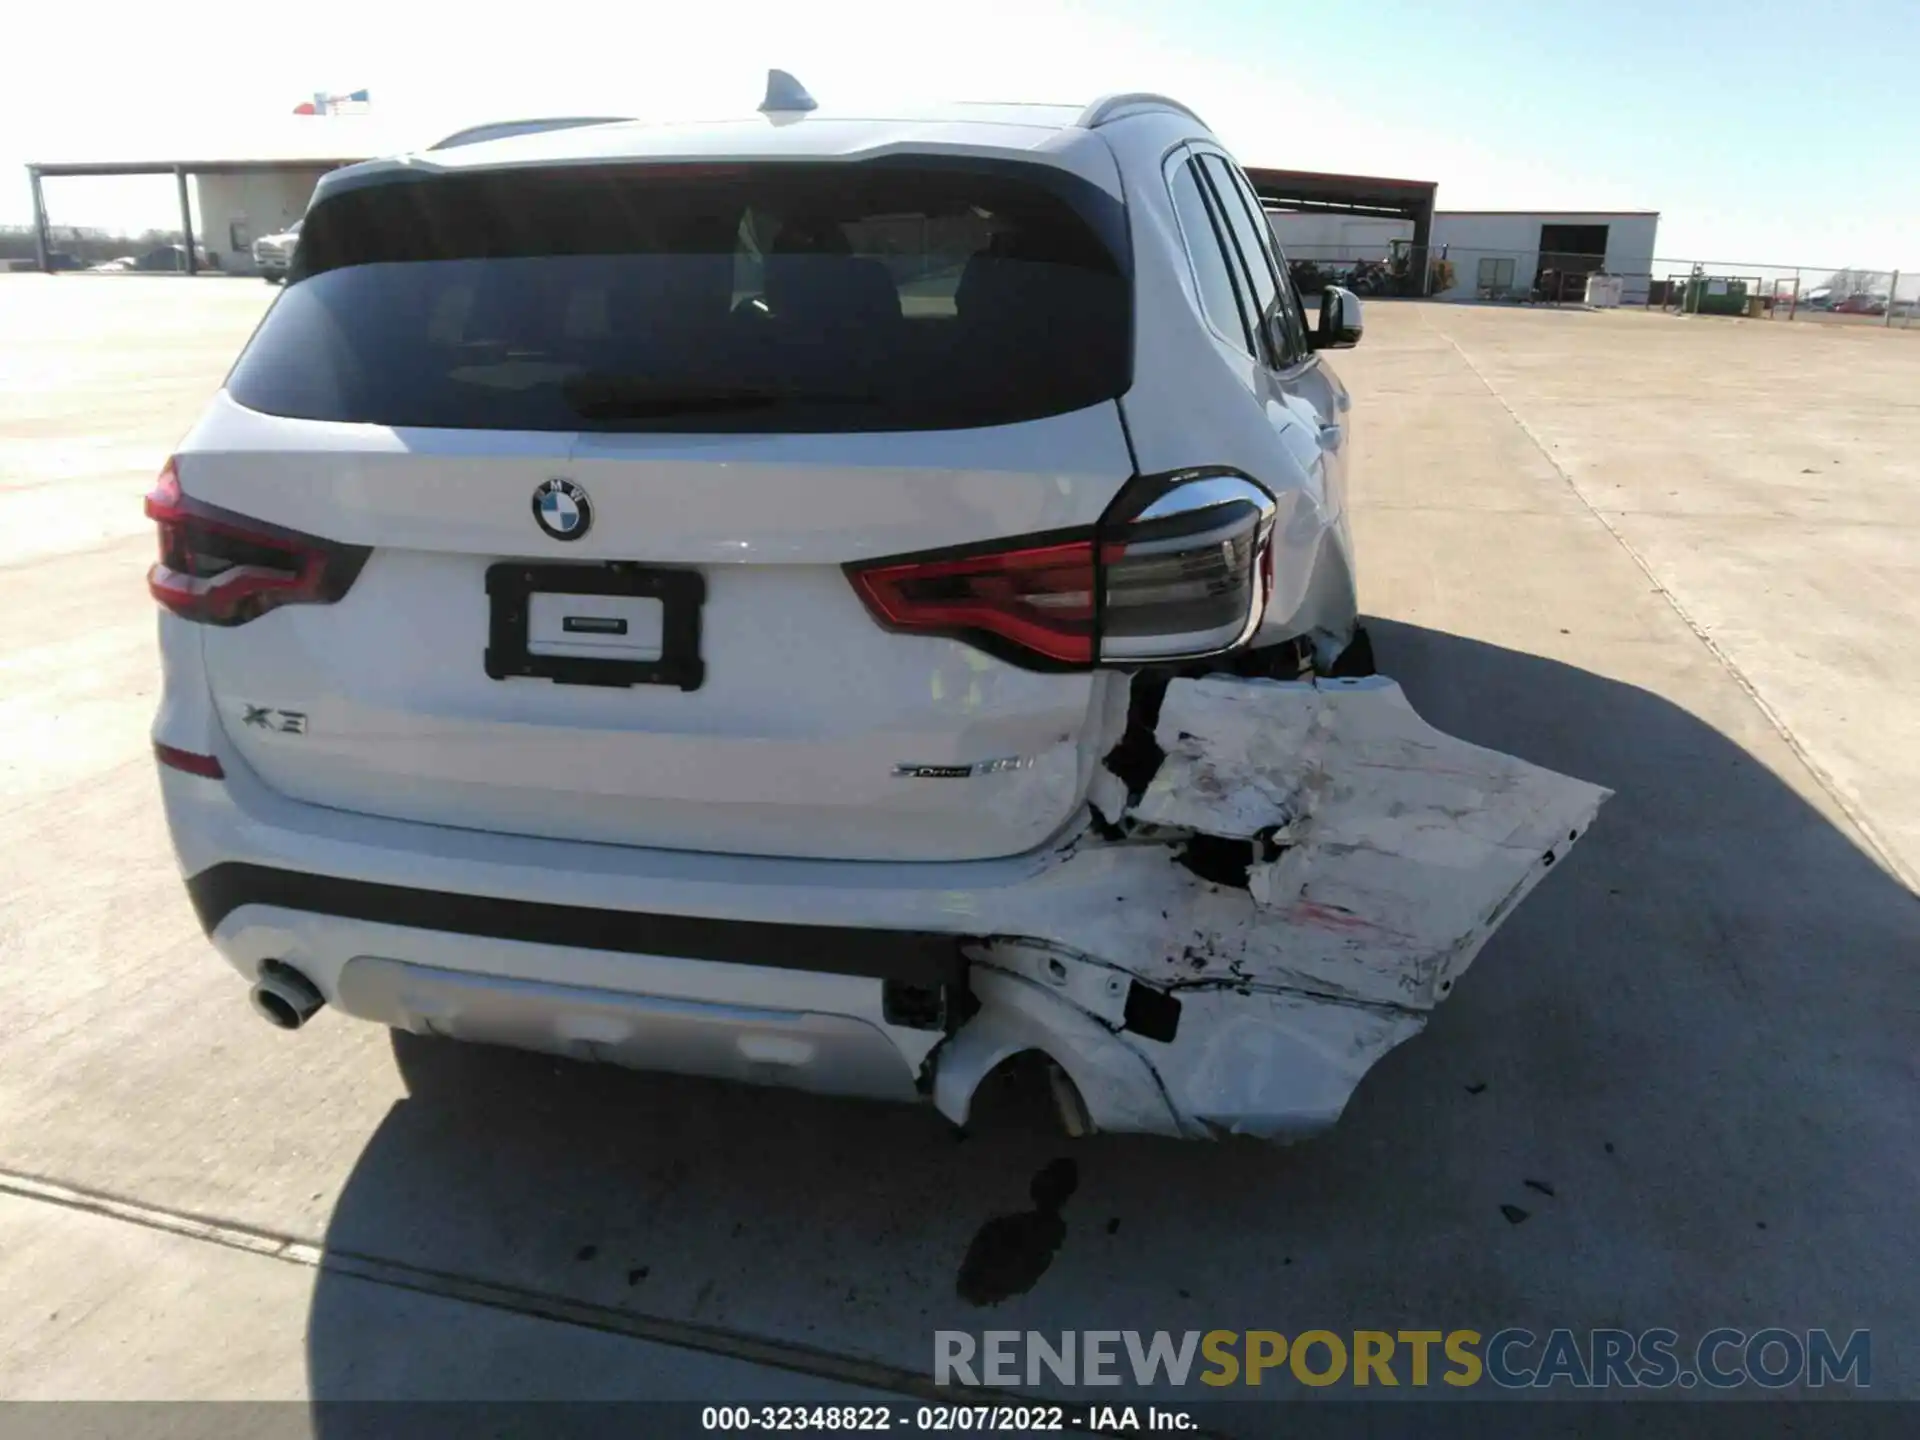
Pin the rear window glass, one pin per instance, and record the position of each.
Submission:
(875, 296)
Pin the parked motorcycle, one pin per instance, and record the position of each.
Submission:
(1369, 277)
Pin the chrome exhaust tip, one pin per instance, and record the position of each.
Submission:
(285, 998)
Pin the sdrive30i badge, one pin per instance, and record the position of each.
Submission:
(964, 772)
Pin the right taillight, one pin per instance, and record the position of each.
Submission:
(1181, 570)
(219, 568)
(1190, 574)
(1031, 602)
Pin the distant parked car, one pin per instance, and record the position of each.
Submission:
(115, 267)
(1861, 305)
(273, 254)
(164, 258)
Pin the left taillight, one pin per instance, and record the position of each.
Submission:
(220, 568)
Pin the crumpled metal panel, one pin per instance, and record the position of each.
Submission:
(1309, 870)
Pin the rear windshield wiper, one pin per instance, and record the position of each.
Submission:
(625, 397)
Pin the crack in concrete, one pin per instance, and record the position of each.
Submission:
(537, 1304)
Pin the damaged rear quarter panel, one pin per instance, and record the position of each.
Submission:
(1382, 855)
(1401, 849)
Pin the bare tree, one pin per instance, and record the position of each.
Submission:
(1851, 281)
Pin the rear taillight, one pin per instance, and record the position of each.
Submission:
(1182, 570)
(220, 568)
(1189, 577)
(1035, 600)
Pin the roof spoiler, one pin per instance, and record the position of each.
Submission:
(502, 129)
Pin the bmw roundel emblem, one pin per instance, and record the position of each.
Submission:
(561, 508)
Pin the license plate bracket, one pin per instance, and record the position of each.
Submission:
(681, 593)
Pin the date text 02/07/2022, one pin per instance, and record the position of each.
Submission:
(946, 1418)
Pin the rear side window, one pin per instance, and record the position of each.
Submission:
(1253, 238)
(1218, 298)
(1293, 318)
(789, 297)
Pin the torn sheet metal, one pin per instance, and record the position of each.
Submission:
(1307, 873)
(1117, 1082)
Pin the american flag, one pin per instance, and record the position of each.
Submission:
(331, 104)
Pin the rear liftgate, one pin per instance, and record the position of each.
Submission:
(1305, 874)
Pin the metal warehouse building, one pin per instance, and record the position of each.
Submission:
(232, 189)
(1493, 251)
(230, 196)
(1487, 254)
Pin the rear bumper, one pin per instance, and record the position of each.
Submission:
(243, 846)
(827, 1034)
(829, 976)
(913, 958)
(830, 1054)
(1357, 862)
(837, 1010)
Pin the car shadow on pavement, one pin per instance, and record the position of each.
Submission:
(1675, 1090)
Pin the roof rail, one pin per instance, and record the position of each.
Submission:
(1134, 102)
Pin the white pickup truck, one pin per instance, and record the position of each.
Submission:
(272, 254)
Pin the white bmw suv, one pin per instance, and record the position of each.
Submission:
(837, 602)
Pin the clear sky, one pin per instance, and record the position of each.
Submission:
(1769, 131)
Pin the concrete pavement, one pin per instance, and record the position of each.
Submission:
(1592, 543)
(1764, 476)
(125, 1303)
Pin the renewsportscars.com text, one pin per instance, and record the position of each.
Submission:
(1724, 1359)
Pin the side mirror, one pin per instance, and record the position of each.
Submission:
(1340, 326)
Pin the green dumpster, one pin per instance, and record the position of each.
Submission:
(1715, 295)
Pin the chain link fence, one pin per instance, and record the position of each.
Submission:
(1847, 295)
(1905, 311)
(1680, 285)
